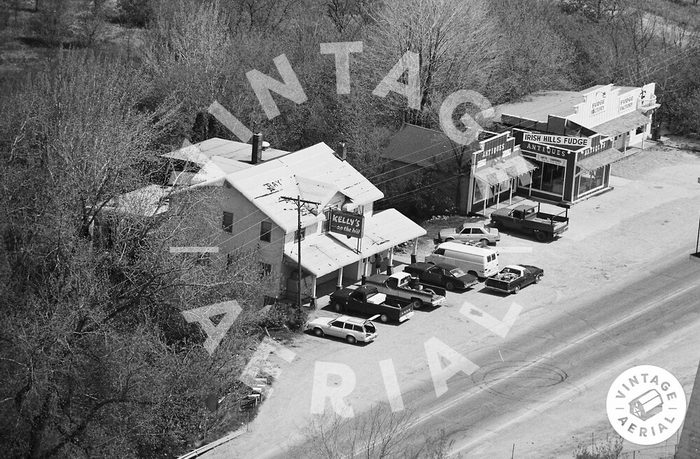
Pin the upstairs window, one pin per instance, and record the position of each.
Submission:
(266, 231)
(265, 269)
(227, 223)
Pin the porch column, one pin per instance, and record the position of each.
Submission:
(339, 283)
(414, 258)
(390, 265)
(313, 292)
(498, 195)
(512, 184)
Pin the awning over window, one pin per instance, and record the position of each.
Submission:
(516, 166)
(322, 254)
(622, 124)
(492, 176)
(600, 159)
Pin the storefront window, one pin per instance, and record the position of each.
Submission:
(589, 181)
(549, 177)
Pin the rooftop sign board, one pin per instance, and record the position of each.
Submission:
(564, 141)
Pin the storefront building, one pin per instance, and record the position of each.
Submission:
(619, 112)
(497, 170)
(573, 138)
(622, 113)
(566, 172)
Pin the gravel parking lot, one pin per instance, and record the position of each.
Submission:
(614, 238)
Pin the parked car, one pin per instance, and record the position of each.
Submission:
(445, 275)
(348, 328)
(514, 277)
(530, 220)
(402, 288)
(477, 261)
(366, 300)
(470, 232)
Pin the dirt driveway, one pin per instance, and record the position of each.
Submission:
(613, 239)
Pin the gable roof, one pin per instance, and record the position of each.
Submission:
(418, 145)
(314, 174)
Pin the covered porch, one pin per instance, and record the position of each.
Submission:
(328, 258)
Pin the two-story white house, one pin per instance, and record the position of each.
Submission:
(259, 212)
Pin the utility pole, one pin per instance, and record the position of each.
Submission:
(298, 201)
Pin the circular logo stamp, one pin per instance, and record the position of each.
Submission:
(646, 405)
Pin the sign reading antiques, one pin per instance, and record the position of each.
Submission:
(347, 223)
(528, 146)
(557, 139)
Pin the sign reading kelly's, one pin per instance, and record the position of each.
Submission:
(557, 140)
(346, 223)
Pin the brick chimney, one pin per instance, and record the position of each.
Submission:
(256, 156)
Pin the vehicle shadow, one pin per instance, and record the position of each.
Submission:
(335, 338)
(491, 292)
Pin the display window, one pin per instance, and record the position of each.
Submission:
(549, 178)
(589, 181)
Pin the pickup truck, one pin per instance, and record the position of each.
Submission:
(529, 219)
(402, 288)
(366, 300)
(514, 277)
(442, 274)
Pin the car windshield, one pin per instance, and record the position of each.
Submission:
(457, 272)
(369, 327)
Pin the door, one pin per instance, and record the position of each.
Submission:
(336, 329)
(354, 302)
(433, 276)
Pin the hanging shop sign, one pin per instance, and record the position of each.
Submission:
(494, 148)
(545, 149)
(562, 140)
(346, 223)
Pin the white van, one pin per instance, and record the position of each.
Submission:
(478, 261)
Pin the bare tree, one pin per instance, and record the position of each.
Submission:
(377, 433)
(455, 43)
(95, 357)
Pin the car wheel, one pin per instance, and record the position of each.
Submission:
(538, 278)
(384, 318)
(473, 273)
(540, 236)
(318, 332)
(449, 285)
(351, 339)
(449, 239)
(516, 289)
(416, 303)
(485, 242)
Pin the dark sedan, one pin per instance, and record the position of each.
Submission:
(441, 274)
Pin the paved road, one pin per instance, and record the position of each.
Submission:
(526, 379)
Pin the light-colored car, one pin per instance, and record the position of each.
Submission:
(348, 328)
(470, 232)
